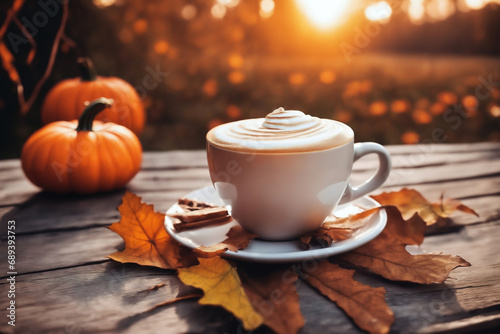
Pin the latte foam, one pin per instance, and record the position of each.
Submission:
(282, 131)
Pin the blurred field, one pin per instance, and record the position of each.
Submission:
(391, 99)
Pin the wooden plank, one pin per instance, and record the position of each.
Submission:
(174, 159)
(197, 158)
(9, 164)
(108, 296)
(47, 212)
(435, 174)
(4, 210)
(95, 298)
(427, 159)
(48, 251)
(403, 155)
(443, 148)
(466, 302)
(16, 191)
(459, 189)
(21, 190)
(167, 168)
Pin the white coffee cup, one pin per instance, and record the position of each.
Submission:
(282, 194)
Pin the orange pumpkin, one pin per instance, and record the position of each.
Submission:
(65, 101)
(83, 156)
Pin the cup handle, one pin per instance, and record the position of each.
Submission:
(361, 149)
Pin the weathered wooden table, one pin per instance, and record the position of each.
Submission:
(65, 283)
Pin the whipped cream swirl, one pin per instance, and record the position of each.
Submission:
(282, 131)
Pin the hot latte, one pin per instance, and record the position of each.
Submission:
(282, 131)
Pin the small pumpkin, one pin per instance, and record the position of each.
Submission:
(65, 101)
(83, 156)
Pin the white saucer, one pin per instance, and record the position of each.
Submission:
(277, 251)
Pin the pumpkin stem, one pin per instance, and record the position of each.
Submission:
(87, 69)
(90, 112)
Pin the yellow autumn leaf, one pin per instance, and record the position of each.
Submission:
(222, 287)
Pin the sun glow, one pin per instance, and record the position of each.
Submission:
(324, 14)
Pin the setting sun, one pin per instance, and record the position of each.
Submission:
(324, 14)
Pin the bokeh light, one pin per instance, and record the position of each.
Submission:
(343, 116)
(236, 77)
(218, 11)
(235, 60)
(229, 3)
(438, 10)
(421, 116)
(378, 108)
(266, 8)
(494, 110)
(296, 78)
(410, 137)
(471, 104)
(210, 87)
(188, 12)
(438, 108)
(447, 97)
(400, 106)
(103, 3)
(476, 4)
(233, 112)
(324, 14)
(161, 47)
(140, 26)
(327, 77)
(213, 123)
(380, 12)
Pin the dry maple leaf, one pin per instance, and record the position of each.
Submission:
(387, 256)
(337, 229)
(272, 292)
(237, 238)
(410, 232)
(222, 287)
(364, 304)
(410, 201)
(146, 241)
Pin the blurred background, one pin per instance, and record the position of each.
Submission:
(398, 72)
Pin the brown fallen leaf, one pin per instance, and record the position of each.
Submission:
(237, 238)
(364, 304)
(446, 206)
(337, 229)
(146, 241)
(410, 201)
(410, 232)
(272, 292)
(387, 256)
(222, 287)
